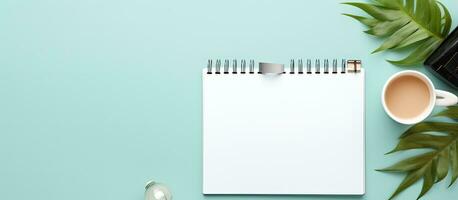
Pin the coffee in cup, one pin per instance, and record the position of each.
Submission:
(409, 97)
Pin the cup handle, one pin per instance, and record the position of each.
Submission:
(444, 98)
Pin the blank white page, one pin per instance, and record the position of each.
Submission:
(285, 134)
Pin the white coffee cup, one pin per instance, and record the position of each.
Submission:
(436, 97)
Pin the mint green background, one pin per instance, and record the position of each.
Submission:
(99, 96)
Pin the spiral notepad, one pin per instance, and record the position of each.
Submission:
(271, 129)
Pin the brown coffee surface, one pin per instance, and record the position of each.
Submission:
(407, 97)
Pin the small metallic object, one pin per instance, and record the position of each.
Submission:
(271, 68)
(317, 66)
(334, 66)
(226, 66)
(234, 66)
(343, 67)
(157, 191)
(251, 66)
(300, 66)
(326, 66)
(209, 66)
(353, 66)
(309, 66)
(291, 66)
(218, 66)
(242, 66)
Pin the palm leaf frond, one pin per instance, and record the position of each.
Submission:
(420, 23)
(441, 139)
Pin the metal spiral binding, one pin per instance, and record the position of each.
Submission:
(317, 66)
(347, 66)
(242, 66)
(226, 66)
(326, 66)
(209, 66)
(334, 66)
(291, 66)
(309, 66)
(259, 69)
(300, 66)
(218, 66)
(344, 66)
(251, 66)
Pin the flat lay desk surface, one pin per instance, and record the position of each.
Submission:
(98, 97)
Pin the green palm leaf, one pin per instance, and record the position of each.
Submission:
(441, 138)
(422, 24)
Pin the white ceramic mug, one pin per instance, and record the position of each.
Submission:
(437, 97)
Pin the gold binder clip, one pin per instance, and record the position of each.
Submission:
(353, 66)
